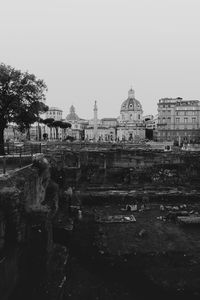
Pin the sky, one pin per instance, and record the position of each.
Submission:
(87, 50)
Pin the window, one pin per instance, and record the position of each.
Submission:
(169, 120)
(193, 120)
(177, 120)
(185, 120)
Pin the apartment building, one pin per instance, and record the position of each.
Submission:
(178, 120)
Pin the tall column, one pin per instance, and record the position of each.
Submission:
(95, 121)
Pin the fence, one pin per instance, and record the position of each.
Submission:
(22, 148)
(21, 151)
(18, 155)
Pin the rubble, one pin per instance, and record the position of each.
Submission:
(131, 207)
(162, 208)
(115, 219)
(142, 233)
(189, 220)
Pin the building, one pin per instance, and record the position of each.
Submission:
(131, 125)
(109, 122)
(77, 125)
(52, 132)
(103, 130)
(11, 133)
(151, 127)
(178, 120)
(54, 113)
(104, 134)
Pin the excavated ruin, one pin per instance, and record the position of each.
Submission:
(109, 218)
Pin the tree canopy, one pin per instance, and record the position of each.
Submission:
(52, 123)
(48, 122)
(22, 98)
(61, 124)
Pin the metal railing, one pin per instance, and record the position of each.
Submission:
(18, 155)
(22, 148)
(21, 153)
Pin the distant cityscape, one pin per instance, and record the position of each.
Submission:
(177, 121)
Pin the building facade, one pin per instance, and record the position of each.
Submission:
(131, 125)
(77, 125)
(151, 127)
(103, 130)
(178, 120)
(54, 113)
(104, 134)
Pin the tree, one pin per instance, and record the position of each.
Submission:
(49, 123)
(21, 99)
(65, 125)
(60, 124)
(25, 118)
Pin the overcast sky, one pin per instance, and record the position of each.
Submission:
(87, 50)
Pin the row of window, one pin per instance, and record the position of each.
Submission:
(174, 133)
(185, 103)
(165, 111)
(179, 113)
(130, 117)
(185, 120)
(186, 113)
(54, 113)
(165, 105)
(194, 120)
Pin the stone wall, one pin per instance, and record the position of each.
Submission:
(22, 206)
(130, 168)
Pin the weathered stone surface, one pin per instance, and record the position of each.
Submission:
(22, 194)
(29, 200)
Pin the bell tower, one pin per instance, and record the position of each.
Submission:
(131, 93)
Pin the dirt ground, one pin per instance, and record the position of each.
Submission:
(165, 252)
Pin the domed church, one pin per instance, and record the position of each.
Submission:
(77, 124)
(72, 116)
(131, 125)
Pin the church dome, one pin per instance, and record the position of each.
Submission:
(131, 104)
(72, 116)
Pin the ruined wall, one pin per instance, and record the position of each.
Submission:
(129, 168)
(22, 195)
